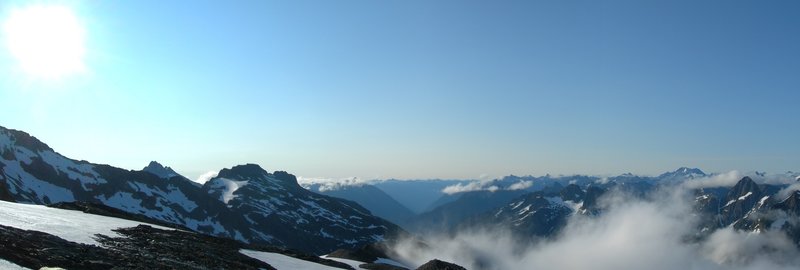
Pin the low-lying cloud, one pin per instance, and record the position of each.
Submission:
(328, 184)
(787, 191)
(632, 233)
(730, 179)
(484, 186)
(203, 178)
(521, 185)
(471, 186)
(727, 179)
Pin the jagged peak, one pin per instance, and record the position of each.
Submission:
(160, 170)
(686, 171)
(745, 181)
(155, 164)
(743, 187)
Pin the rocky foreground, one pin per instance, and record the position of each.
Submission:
(146, 247)
(141, 247)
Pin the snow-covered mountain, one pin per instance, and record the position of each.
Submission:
(682, 173)
(32, 172)
(539, 213)
(296, 217)
(244, 203)
(535, 214)
(740, 200)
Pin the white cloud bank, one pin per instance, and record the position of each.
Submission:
(786, 192)
(203, 178)
(631, 234)
(327, 184)
(471, 186)
(484, 186)
(521, 185)
(727, 179)
(730, 179)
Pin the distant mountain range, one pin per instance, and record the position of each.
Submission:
(370, 197)
(416, 195)
(746, 206)
(542, 207)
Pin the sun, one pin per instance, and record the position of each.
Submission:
(47, 41)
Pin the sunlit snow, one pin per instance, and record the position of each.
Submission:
(283, 262)
(70, 225)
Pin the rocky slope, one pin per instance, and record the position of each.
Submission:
(295, 217)
(535, 214)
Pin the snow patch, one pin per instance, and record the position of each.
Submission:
(524, 210)
(763, 200)
(515, 205)
(356, 264)
(281, 262)
(324, 234)
(11, 266)
(81, 172)
(24, 155)
(744, 197)
(729, 203)
(176, 196)
(352, 263)
(22, 180)
(121, 200)
(70, 225)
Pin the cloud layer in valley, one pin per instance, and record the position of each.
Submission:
(632, 233)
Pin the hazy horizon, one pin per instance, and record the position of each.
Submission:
(409, 90)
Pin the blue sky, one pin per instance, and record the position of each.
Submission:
(423, 89)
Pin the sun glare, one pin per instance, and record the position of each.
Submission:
(46, 40)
